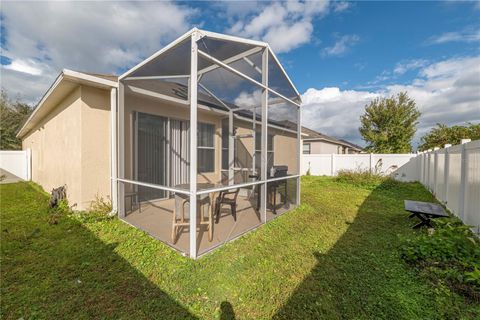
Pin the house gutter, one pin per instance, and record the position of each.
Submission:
(113, 150)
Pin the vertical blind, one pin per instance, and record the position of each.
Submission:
(155, 165)
(179, 152)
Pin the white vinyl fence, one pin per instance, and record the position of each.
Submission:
(17, 163)
(330, 164)
(452, 174)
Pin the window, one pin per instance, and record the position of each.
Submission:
(306, 148)
(205, 147)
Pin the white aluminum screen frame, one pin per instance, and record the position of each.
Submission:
(193, 82)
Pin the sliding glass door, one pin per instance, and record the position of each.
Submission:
(151, 154)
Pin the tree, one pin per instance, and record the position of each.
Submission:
(389, 124)
(442, 134)
(12, 117)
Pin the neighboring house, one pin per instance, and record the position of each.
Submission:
(182, 134)
(314, 142)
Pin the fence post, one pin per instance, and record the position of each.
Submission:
(446, 173)
(463, 179)
(332, 164)
(427, 168)
(29, 164)
(371, 162)
(421, 169)
(435, 169)
(425, 171)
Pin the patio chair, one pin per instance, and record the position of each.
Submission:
(256, 189)
(228, 197)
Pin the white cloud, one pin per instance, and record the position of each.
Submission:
(25, 66)
(284, 25)
(468, 35)
(342, 45)
(445, 92)
(246, 99)
(43, 38)
(335, 112)
(339, 6)
(292, 36)
(107, 37)
(406, 66)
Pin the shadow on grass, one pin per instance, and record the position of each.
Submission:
(360, 276)
(64, 271)
(226, 311)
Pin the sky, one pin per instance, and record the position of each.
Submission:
(340, 55)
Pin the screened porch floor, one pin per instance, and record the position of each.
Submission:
(155, 218)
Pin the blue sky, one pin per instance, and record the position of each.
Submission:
(387, 33)
(340, 55)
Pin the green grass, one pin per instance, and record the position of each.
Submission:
(335, 257)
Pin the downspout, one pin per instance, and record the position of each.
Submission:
(113, 150)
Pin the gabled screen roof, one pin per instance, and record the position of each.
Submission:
(243, 55)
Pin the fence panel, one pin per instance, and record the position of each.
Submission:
(439, 186)
(330, 164)
(351, 162)
(16, 163)
(452, 174)
(471, 214)
(431, 171)
(454, 177)
(317, 164)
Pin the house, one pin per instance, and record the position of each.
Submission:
(314, 142)
(196, 145)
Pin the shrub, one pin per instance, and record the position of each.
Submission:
(451, 252)
(365, 178)
(100, 206)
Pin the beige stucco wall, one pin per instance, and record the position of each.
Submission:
(95, 144)
(56, 148)
(71, 146)
(322, 147)
(285, 147)
(285, 150)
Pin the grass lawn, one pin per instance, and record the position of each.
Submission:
(335, 257)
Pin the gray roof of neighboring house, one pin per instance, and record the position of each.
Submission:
(352, 144)
(313, 135)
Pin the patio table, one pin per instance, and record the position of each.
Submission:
(425, 211)
(181, 200)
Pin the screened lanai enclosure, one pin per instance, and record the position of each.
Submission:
(208, 141)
